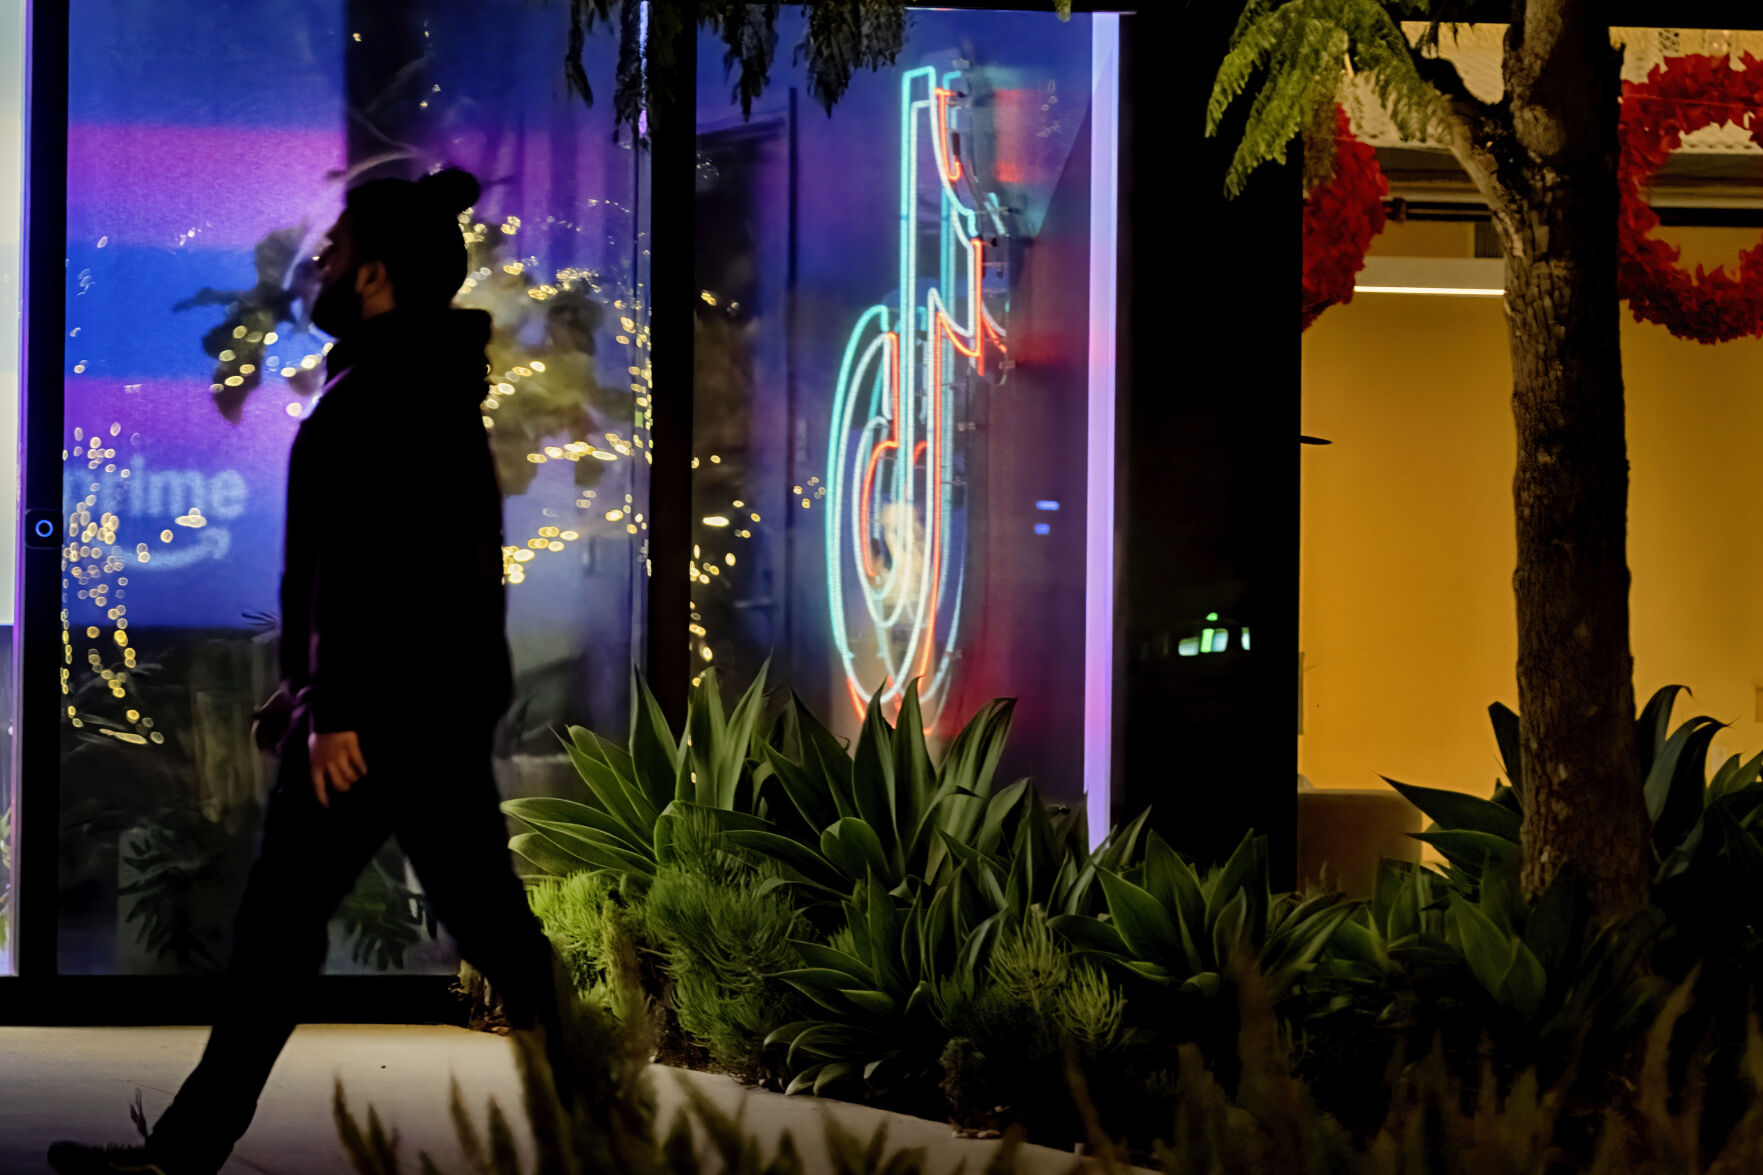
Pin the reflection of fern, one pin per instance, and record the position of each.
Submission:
(179, 857)
(183, 862)
(383, 918)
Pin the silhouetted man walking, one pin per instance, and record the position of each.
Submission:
(394, 660)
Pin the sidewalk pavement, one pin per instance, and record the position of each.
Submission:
(79, 1082)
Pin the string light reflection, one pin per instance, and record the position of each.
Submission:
(506, 386)
(93, 566)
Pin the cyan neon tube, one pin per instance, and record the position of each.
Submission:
(912, 597)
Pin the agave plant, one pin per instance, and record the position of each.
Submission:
(637, 790)
(1034, 859)
(1542, 962)
(1176, 927)
(1707, 897)
(883, 810)
(903, 958)
(875, 986)
(1686, 808)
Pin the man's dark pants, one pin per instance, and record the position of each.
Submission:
(429, 784)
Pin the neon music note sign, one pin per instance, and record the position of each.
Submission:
(895, 531)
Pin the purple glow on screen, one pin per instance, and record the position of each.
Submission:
(181, 413)
(1099, 564)
(151, 185)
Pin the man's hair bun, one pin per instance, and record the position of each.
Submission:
(451, 189)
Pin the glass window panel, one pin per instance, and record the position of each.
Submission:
(208, 150)
(894, 381)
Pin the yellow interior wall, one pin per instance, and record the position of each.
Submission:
(1407, 624)
(1426, 238)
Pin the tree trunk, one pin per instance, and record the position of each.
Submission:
(1555, 201)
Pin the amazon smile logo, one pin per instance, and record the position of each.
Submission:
(195, 504)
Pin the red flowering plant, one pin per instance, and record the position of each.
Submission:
(1341, 217)
(1680, 96)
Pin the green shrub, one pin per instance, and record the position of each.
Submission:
(1460, 956)
(1035, 1011)
(721, 940)
(1264, 1120)
(861, 921)
(1702, 827)
(1423, 969)
(799, 899)
(575, 912)
(1036, 991)
(1441, 1121)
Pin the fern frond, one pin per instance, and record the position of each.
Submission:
(1250, 47)
(1301, 50)
(1253, 12)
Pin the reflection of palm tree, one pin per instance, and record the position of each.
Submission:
(841, 38)
(240, 343)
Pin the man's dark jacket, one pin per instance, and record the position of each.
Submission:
(393, 607)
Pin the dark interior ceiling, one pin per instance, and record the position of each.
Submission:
(1697, 188)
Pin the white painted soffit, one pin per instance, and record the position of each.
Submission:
(1475, 50)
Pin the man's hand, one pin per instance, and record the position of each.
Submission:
(336, 759)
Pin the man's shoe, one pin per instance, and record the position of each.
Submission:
(73, 1158)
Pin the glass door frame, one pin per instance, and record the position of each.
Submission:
(38, 993)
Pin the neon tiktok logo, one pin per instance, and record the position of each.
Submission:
(896, 518)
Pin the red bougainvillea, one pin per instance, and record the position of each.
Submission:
(1340, 218)
(1682, 95)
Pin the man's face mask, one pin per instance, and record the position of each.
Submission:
(337, 309)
